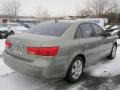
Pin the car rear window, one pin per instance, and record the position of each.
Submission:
(50, 28)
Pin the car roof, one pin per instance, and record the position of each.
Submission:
(72, 21)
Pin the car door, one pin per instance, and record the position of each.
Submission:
(91, 43)
(106, 42)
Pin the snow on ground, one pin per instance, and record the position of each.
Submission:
(4, 70)
(118, 41)
(18, 81)
(2, 46)
(106, 68)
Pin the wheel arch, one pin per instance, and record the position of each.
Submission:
(83, 57)
(77, 55)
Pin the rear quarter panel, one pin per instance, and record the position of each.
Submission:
(68, 49)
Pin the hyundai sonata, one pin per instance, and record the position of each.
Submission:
(59, 49)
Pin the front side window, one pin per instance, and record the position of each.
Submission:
(87, 30)
(50, 28)
(98, 30)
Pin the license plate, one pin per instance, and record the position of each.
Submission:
(18, 50)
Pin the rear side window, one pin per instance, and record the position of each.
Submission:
(78, 33)
(98, 30)
(87, 30)
(51, 28)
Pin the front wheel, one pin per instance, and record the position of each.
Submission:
(75, 70)
(113, 52)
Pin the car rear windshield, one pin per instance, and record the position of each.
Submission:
(50, 28)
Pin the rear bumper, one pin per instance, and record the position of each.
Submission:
(19, 65)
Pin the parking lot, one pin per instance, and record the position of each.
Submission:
(77, 42)
(104, 75)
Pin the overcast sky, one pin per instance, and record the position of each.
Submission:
(54, 7)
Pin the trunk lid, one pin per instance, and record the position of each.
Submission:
(22, 41)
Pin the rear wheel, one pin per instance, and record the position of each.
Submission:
(75, 70)
(113, 52)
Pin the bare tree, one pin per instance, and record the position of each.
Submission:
(103, 6)
(41, 13)
(83, 12)
(115, 8)
(88, 8)
(11, 8)
(87, 11)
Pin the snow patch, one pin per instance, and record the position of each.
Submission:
(118, 42)
(106, 68)
(2, 46)
(4, 69)
(23, 82)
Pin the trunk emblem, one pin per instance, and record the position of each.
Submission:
(18, 50)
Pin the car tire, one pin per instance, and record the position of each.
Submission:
(113, 52)
(75, 70)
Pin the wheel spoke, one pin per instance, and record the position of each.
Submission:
(77, 69)
(76, 64)
(73, 71)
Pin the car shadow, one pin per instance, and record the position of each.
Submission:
(90, 83)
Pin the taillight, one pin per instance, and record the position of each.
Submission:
(7, 44)
(43, 51)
